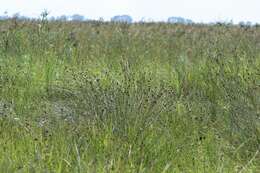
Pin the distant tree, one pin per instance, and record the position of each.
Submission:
(179, 20)
(16, 15)
(77, 17)
(176, 20)
(52, 18)
(101, 19)
(62, 18)
(122, 19)
(246, 25)
(241, 23)
(189, 21)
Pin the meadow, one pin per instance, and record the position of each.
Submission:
(114, 97)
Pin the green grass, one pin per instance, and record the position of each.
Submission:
(104, 97)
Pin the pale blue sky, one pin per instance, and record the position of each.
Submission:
(197, 10)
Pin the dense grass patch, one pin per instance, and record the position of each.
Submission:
(104, 97)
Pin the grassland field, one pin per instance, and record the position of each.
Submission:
(144, 97)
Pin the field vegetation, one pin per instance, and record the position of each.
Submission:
(114, 97)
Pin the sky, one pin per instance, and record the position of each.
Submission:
(157, 10)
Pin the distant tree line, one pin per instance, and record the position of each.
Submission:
(119, 19)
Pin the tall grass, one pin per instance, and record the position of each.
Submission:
(107, 97)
